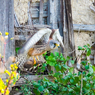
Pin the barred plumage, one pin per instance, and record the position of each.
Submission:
(21, 59)
(49, 39)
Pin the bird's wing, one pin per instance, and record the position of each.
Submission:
(57, 36)
(42, 34)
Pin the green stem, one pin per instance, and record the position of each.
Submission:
(81, 84)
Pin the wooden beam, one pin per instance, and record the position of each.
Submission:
(41, 12)
(16, 22)
(81, 27)
(20, 37)
(53, 4)
(60, 16)
(34, 26)
(48, 14)
(68, 29)
(32, 77)
(29, 14)
(65, 31)
(7, 24)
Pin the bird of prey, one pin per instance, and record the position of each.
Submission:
(42, 37)
(42, 41)
(40, 49)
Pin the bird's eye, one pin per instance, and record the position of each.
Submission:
(54, 45)
(57, 45)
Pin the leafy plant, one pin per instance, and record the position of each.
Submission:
(13, 77)
(65, 81)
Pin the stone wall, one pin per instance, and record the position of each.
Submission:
(81, 12)
(83, 38)
(21, 10)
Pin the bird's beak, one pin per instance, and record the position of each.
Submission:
(57, 45)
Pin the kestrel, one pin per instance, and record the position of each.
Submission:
(42, 41)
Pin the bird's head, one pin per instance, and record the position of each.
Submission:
(54, 44)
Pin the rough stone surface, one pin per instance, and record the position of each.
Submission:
(81, 12)
(21, 10)
(83, 38)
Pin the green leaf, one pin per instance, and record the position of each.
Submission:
(80, 48)
(65, 66)
(93, 68)
(36, 84)
(71, 81)
(57, 67)
(87, 67)
(84, 72)
(51, 63)
(71, 69)
(70, 89)
(83, 62)
(88, 85)
(90, 70)
(89, 46)
(72, 61)
(57, 74)
(85, 46)
(50, 58)
(56, 54)
(68, 58)
(76, 79)
(44, 65)
(52, 54)
(41, 88)
(64, 89)
(88, 51)
(36, 92)
(46, 92)
(61, 55)
(45, 79)
(17, 49)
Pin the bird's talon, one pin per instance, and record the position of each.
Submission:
(34, 60)
(37, 58)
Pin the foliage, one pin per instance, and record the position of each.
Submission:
(17, 49)
(65, 81)
(13, 77)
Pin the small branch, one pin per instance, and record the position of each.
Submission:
(8, 84)
(81, 84)
(92, 8)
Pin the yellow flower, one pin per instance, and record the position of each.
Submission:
(2, 56)
(7, 80)
(7, 92)
(12, 38)
(16, 67)
(14, 73)
(12, 65)
(6, 33)
(0, 33)
(2, 90)
(6, 71)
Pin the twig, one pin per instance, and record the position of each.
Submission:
(8, 84)
(81, 84)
